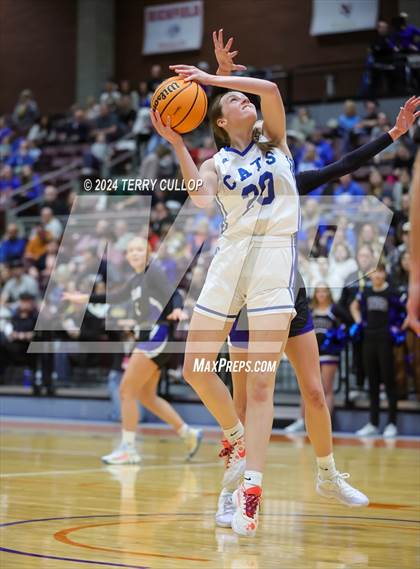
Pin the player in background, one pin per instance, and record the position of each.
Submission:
(142, 374)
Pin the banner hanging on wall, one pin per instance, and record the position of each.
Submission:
(173, 27)
(338, 16)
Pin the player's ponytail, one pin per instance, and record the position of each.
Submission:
(265, 145)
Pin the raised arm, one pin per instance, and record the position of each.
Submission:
(272, 108)
(312, 179)
(204, 181)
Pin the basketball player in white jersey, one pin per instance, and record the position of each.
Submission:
(255, 265)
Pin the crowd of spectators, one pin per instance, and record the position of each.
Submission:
(393, 64)
(334, 249)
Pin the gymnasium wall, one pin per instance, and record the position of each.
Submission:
(37, 51)
(280, 37)
(38, 44)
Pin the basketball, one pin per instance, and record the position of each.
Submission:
(184, 101)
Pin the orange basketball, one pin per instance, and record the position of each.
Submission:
(184, 101)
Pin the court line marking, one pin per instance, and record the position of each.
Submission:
(74, 560)
(62, 536)
(60, 452)
(109, 564)
(103, 469)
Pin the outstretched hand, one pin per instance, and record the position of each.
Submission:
(191, 73)
(224, 56)
(165, 130)
(75, 297)
(407, 115)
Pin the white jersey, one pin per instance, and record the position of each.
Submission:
(256, 192)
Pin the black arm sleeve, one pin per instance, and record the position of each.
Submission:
(312, 179)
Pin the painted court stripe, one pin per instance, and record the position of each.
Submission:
(72, 559)
(104, 469)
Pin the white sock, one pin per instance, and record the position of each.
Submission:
(183, 431)
(252, 478)
(234, 432)
(326, 466)
(226, 492)
(129, 437)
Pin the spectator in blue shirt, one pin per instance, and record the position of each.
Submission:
(349, 119)
(406, 36)
(8, 180)
(323, 147)
(12, 247)
(349, 187)
(22, 157)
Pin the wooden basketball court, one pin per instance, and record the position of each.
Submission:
(61, 507)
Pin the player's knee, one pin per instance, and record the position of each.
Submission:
(146, 397)
(126, 390)
(260, 388)
(315, 398)
(189, 371)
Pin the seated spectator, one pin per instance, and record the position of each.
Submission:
(368, 235)
(5, 130)
(310, 159)
(348, 187)
(159, 215)
(97, 157)
(92, 109)
(5, 147)
(403, 158)
(122, 234)
(22, 157)
(106, 123)
(51, 223)
(54, 202)
(18, 283)
(144, 95)
(12, 247)
(125, 112)
(370, 118)
(77, 128)
(401, 186)
(403, 239)
(46, 263)
(110, 95)
(342, 264)
(28, 176)
(127, 91)
(37, 244)
(377, 185)
(9, 182)
(349, 119)
(303, 122)
(42, 131)
(155, 78)
(323, 147)
(26, 111)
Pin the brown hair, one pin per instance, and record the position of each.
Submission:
(221, 137)
(314, 302)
